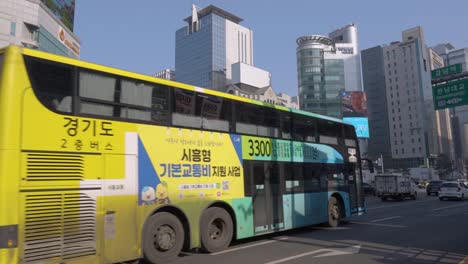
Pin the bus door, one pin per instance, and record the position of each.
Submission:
(355, 185)
(267, 197)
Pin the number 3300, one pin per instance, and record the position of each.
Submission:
(259, 148)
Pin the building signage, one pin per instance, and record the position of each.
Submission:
(445, 71)
(67, 42)
(346, 50)
(450, 94)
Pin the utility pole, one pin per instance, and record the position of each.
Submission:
(381, 157)
(381, 163)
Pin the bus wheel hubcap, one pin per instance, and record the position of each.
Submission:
(216, 229)
(164, 238)
(334, 212)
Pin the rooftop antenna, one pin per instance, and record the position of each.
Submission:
(194, 22)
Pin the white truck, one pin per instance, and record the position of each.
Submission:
(395, 187)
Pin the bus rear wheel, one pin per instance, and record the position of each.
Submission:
(334, 212)
(162, 238)
(216, 229)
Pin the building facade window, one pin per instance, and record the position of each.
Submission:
(13, 28)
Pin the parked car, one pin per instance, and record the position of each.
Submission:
(368, 189)
(455, 189)
(433, 187)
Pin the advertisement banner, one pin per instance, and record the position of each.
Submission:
(354, 104)
(177, 165)
(64, 10)
(361, 124)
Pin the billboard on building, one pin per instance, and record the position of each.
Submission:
(354, 107)
(63, 10)
(361, 124)
(354, 104)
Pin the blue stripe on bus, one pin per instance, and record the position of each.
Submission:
(304, 209)
(148, 179)
(237, 143)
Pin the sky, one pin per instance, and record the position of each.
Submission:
(139, 35)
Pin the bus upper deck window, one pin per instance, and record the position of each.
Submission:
(52, 83)
(63, 105)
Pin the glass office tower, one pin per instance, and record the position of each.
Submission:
(209, 45)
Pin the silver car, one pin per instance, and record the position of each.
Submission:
(458, 190)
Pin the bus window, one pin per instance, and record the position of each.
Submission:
(215, 112)
(311, 178)
(268, 127)
(160, 104)
(256, 120)
(96, 93)
(304, 128)
(52, 83)
(329, 132)
(350, 136)
(247, 118)
(184, 113)
(291, 185)
(285, 119)
(137, 94)
(297, 177)
(197, 110)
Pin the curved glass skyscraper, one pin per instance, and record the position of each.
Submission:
(326, 67)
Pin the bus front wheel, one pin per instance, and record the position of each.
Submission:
(216, 229)
(334, 212)
(162, 238)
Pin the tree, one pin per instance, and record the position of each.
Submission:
(443, 165)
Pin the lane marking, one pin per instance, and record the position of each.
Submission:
(330, 228)
(442, 208)
(388, 218)
(328, 252)
(393, 205)
(336, 252)
(249, 246)
(375, 224)
(439, 215)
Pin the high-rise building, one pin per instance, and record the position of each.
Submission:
(214, 51)
(373, 76)
(209, 45)
(34, 24)
(326, 67)
(408, 96)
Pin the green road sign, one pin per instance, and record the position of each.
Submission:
(450, 94)
(449, 70)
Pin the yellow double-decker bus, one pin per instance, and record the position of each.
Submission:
(100, 165)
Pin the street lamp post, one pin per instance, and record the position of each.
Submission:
(381, 162)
